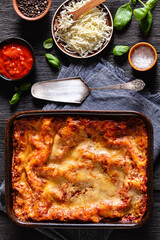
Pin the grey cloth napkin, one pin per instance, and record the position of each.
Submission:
(97, 75)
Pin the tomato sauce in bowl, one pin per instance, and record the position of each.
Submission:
(16, 59)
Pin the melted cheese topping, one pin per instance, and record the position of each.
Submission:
(87, 34)
(79, 169)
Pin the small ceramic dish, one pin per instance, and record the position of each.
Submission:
(20, 57)
(142, 56)
(41, 15)
(62, 46)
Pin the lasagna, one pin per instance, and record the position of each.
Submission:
(75, 168)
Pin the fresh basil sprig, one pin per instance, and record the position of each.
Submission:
(144, 15)
(19, 90)
(53, 60)
(47, 44)
(119, 50)
(145, 24)
(123, 16)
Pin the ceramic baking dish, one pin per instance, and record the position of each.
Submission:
(112, 115)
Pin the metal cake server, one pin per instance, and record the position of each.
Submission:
(74, 90)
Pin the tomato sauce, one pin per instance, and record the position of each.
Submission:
(16, 60)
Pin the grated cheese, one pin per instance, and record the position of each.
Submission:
(85, 35)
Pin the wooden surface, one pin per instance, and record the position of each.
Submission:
(36, 32)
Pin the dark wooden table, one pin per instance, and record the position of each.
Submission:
(36, 32)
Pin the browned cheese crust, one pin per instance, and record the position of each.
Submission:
(79, 168)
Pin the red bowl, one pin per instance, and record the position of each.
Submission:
(23, 43)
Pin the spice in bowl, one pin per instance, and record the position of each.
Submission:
(31, 10)
(142, 56)
(16, 59)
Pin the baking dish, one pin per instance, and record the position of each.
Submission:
(113, 115)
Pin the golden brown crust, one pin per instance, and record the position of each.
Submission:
(76, 168)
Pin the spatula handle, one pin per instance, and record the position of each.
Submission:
(85, 8)
(135, 85)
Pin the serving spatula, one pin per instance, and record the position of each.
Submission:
(75, 90)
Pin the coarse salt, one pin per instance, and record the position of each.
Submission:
(143, 57)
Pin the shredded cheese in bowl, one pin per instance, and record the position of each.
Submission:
(86, 35)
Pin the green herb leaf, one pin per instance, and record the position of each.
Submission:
(16, 89)
(123, 16)
(134, 2)
(15, 98)
(119, 50)
(47, 44)
(53, 60)
(146, 23)
(151, 4)
(23, 87)
(19, 90)
(140, 13)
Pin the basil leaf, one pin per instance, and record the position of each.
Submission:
(15, 98)
(23, 87)
(16, 89)
(47, 44)
(134, 2)
(19, 90)
(151, 4)
(140, 13)
(53, 60)
(146, 23)
(119, 50)
(123, 16)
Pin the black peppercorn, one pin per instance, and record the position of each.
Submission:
(32, 8)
